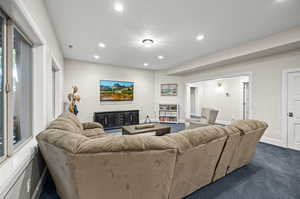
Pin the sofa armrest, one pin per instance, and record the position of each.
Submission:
(91, 125)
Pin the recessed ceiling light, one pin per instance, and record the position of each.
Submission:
(119, 7)
(96, 56)
(148, 43)
(160, 57)
(70, 46)
(102, 45)
(146, 64)
(200, 37)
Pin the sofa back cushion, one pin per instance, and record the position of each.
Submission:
(119, 143)
(72, 118)
(62, 139)
(198, 153)
(67, 122)
(246, 126)
(229, 149)
(79, 144)
(251, 131)
(190, 138)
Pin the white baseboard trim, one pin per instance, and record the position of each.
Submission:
(273, 141)
(294, 148)
(39, 187)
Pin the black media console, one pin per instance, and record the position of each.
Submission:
(117, 119)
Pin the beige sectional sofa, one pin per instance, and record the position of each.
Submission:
(87, 164)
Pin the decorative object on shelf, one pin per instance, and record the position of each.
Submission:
(169, 113)
(168, 90)
(74, 99)
(116, 90)
(147, 120)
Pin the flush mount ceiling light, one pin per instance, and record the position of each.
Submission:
(280, 1)
(146, 64)
(102, 45)
(96, 56)
(148, 43)
(160, 57)
(119, 7)
(200, 37)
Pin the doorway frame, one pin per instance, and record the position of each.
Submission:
(284, 110)
(55, 68)
(221, 76)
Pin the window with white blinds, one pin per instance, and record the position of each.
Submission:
(15, 88)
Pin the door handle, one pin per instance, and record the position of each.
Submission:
(8, 88)
(291, 114)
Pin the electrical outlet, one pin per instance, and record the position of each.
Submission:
(28, 185)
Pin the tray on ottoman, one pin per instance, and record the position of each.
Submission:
(157, 128)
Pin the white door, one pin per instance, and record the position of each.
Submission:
(294, 110)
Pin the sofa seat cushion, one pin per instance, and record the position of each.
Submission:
(93, 133)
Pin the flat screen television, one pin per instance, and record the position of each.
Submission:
(116, 90)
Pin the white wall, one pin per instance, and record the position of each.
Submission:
(266, 88)
(210, 95)
(53, 53)
(32, 17)
(162, 78)
(146, 89)
(86, 77)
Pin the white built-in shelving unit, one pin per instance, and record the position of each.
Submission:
(169, 113)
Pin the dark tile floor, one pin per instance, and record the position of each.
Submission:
(274, 173)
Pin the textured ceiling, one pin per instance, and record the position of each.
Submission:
(173, 24)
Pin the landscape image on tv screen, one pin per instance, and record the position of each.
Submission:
(116, 90)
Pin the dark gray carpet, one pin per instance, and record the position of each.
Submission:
(274, 173)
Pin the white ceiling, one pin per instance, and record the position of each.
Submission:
(173, 24)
